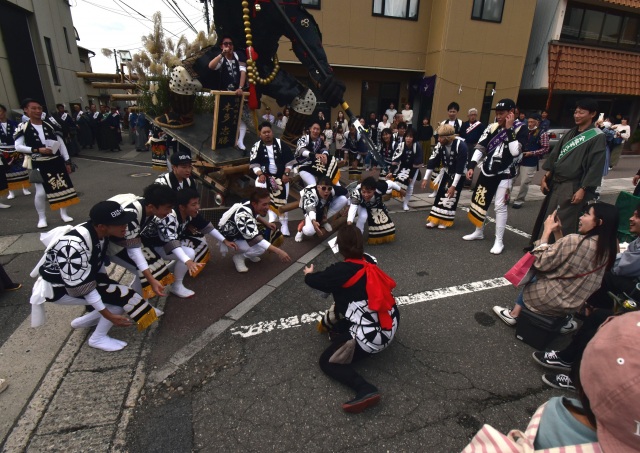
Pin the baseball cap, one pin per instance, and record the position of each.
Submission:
(505, 104)
(535, 116)
(110, 213)
(610, 377)
(180, 158)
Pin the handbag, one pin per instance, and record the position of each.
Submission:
(490, 440)
(522, 272)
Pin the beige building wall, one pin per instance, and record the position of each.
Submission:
(464, 53)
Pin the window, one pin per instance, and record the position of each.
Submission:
(401, 9)
(52, 61)
(314, 4)
(593, 26)
(489, 10)
(66, 39)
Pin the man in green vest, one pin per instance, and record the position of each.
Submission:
(574, 170)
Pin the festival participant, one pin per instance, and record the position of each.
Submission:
(150, 271)
(17, 176)
(319, 203)
(569, 270)
(363, 319)
(386, 152)
(172, 239)
(239, 225)
(499, 150)
(451, 154)
(50, 163)
(83, 127)
(309, 148)
(68, 129)
(367, 203)
(407, 159)
(355, 151)
(158, 145)
(72, 269)
(180, 175)
(470, 131)
(535, 148)
(573, 170)
(271, 160)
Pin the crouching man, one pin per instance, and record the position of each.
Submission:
(72, 272)
(240, 225)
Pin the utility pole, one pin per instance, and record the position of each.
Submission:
(206, 14)
(115, 56)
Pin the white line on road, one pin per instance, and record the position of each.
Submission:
(308, 318)
(508, 227)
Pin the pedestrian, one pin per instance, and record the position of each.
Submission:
(573, 170)
(424, 136)
(50, 163)
(535, 148)
(499, 150)
(451, 154)
(623, 132)
(17, 176)
(363, 319)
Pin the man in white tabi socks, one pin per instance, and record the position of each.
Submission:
(320, 202)
(271, 160)
(309, 148)
(151, 272)
(240, 225)
(500, 151)
(72, 272)
(47, 156)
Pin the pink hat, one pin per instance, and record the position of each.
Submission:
(610, 377)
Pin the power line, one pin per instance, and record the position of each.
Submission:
(175, 11)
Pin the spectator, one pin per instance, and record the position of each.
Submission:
(425, 133)
(407, 115)
(545, 124)
(571, 269)
(328, 137)
(536, 147)
(391, 112)
(623, 132)
(268, 116)
(285, 116)
(341, 122)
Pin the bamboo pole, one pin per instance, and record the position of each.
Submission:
(102, 75)
(125, 97)
(115, 85)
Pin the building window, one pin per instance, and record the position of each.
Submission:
(52, 61)
(488, 10)
(66, 39)
(598, 27)
(401, 9)
(314, 4)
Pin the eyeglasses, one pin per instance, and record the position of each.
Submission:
(325, 188)
(227, 43)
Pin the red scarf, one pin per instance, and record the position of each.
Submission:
(379, 286)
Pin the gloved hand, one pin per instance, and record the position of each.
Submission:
(332, 91)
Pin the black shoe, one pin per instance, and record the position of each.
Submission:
(551, 360)
(516, 205)
(558, 381)
(13, 287)
(361, 402)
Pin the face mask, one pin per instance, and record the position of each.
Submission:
(607, 124)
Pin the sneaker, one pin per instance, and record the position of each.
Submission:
(13, 287)
(558, 381)
(238, 260)
(517, 205)
(570, 326)
(504, 314)
(551, 360)
(360, 403)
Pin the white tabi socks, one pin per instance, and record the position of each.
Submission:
(100, 340)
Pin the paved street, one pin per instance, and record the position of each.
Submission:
(235, 368)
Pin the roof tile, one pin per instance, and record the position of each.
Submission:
(589, 69)
(629, 3)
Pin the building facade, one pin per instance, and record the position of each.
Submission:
(383, 49)
(39, 56)
(585, 48)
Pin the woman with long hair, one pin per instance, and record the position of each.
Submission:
(386, 151)
(285, 117)
(363, 319)
(341, 121)
(571, 269)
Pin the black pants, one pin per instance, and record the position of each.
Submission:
(616, 284)
(5, 280)
(573, 352)
(344, 373)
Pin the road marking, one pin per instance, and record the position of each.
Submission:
(508, 227)
(309, 318)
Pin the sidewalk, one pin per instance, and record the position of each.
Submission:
(80, 398)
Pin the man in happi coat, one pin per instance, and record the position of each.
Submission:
(271, 161)
(50, 163)
(319, 203)
(499, 150)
